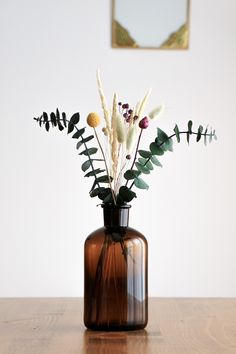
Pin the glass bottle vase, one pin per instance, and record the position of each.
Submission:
(115, 274)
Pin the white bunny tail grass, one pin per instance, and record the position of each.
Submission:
(156, 112)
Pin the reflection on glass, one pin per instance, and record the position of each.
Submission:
(162, 24)
(116, 342)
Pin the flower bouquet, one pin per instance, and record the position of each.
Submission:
(115, 292)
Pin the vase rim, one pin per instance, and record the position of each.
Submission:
(117, 206)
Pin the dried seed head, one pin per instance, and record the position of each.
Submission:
(93, 119)
(104, 130)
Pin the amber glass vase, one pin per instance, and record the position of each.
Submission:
(115, 287)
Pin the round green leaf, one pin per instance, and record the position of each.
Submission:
(89, 152)
(131, 174)
(140, 183)
(142, 168)
(156, 150)
(79, 133)
(85, 166)
(144, 153)
(126, 194)
(155, 161)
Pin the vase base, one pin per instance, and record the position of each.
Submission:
(114, 328)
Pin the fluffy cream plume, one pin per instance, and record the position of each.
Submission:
(131, 137)
(143, 104)
(120, 128)
(114, 143)
(104, 106)
(156, 112)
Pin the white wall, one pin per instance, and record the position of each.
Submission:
(49, 54)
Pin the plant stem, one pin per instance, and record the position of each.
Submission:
(136, 152)
(108, 175)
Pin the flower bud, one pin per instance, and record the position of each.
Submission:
(143, 124)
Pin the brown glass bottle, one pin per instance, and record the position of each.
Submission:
(115, 278)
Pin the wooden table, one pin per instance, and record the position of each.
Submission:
(178, 326)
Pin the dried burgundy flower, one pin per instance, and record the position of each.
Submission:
(143, 124)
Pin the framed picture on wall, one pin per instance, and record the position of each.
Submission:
(150, 24)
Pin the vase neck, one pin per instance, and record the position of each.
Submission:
(116, 216)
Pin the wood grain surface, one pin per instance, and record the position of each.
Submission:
(176, 326)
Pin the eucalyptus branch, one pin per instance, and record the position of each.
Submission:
(163, 142)
(173, 135)
(85, 145)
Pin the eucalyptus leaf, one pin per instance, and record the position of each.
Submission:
(70, 128)
(94, 172)
(176, 130)
(190, 125)
(96, 191)
(146, 162)
(89, 152)
(131, 174)
(155, 149)
(57, 114)
(85, 166)
(165, 146)
(79, 133)
(79, 144)
(75, 118)
(104, 193)
(60, 126)
(103, 179)
(144, 153)
(210, 137)
(140, 183)
(64, 119)
(126, 194)
(199, 133)
(47, 126)
(53, 119)
(45, 117)
(85, 140)
(162, 136)
(155, 161)
(142, 168)
(187, 137)
(108, 198)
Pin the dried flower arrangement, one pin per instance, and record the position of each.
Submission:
(124, 162)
